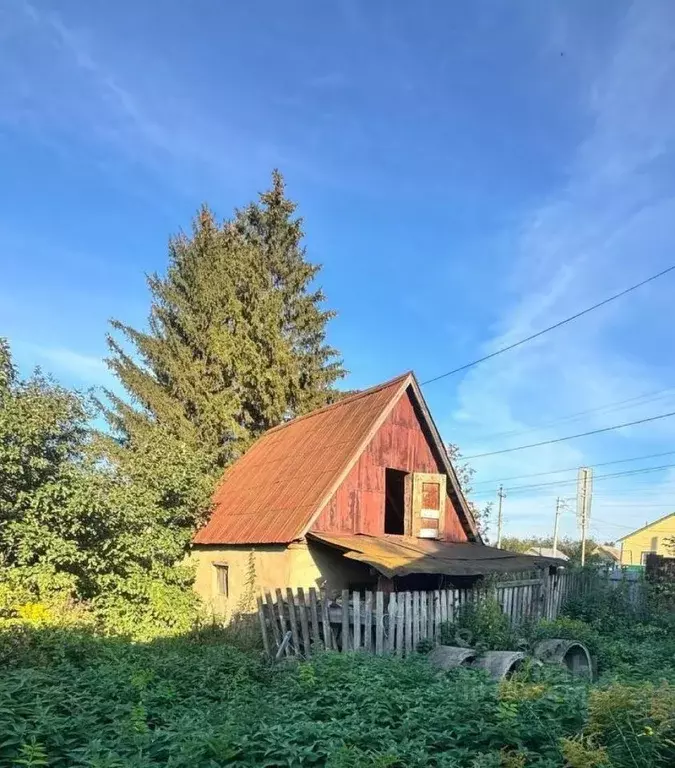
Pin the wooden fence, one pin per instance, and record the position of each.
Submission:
(395, 622)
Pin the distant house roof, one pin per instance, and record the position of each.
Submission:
(277, 489)
(547, 552)
(403, 555)
(647, 525)
(611, 553)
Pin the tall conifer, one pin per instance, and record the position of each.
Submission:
(236, 334)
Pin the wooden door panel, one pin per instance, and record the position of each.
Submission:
(428, 505)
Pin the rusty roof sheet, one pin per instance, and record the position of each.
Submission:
(403, 555)
(275, 490)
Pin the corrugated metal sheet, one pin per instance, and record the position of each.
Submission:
(402, 555)
(272, 493)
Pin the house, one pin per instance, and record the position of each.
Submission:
(608, 554)
(546, 552)
(652, 537)
(360, 493)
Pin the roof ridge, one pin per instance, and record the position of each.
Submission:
(648, 525)
(342, 401)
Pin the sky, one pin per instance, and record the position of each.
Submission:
(468, 174)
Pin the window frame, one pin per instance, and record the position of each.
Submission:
(419, 513)
(222, 573)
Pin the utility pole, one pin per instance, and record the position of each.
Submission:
(558, 508)
(501, 494)
(584, 496)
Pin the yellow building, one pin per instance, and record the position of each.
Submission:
(653, 537)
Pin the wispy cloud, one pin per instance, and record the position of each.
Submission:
(67, 364)
(61, 87)
(598, 232)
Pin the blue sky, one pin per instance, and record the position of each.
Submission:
(468, 173)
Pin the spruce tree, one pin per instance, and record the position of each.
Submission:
(236, 335)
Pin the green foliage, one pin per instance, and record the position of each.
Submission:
(85, 700)
(481, 624)
(69, 697)
(635, 723)
(610, 607)
(566, 546)
(85, 521)
(236, 337)
(465, 473)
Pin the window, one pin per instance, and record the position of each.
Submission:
(431, 499)
(394, 506)
(222, 578)
(643, 557)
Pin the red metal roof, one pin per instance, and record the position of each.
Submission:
(274, 491)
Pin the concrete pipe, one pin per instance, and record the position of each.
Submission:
(568, 653)
(500, 664)
(449, 656)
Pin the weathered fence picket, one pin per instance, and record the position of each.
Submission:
(397, 622)
(345, 620)
(304, 621)
(314, 615)
(400, 624)
(368, 629)
(391, 622)
(379, 623)
(325, 621)
(356, 614)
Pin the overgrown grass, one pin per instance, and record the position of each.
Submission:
(69, 697)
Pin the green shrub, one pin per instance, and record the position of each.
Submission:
(73, 696)
(80, 699)
(481, 624)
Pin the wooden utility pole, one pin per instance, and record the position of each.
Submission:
(558, 506)
(501, 494)
(584, 496)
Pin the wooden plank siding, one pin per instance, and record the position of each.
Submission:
(400, 443)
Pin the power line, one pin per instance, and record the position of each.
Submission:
(572, 437)
(597, 477)
(573, 469)
(606, 522)
(620, 405)
(616, 525)
(643, 490)
(552, 327)
(633, 506)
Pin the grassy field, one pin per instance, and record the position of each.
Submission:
(71, 698)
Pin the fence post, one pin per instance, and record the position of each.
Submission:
(368, 620)
(415, 619)
(263, 627)
(304, 624)
(282, 618)
(325, 620)
(293, 621)
(400, 624)
(379, 622)
(356, 604)
(316, 636)
(345, 620)
(273, 620)
(391, 622)
(423, 615)
(408, 622)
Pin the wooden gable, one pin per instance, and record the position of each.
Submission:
(401, 443)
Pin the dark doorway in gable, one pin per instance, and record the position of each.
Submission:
(394, 507)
